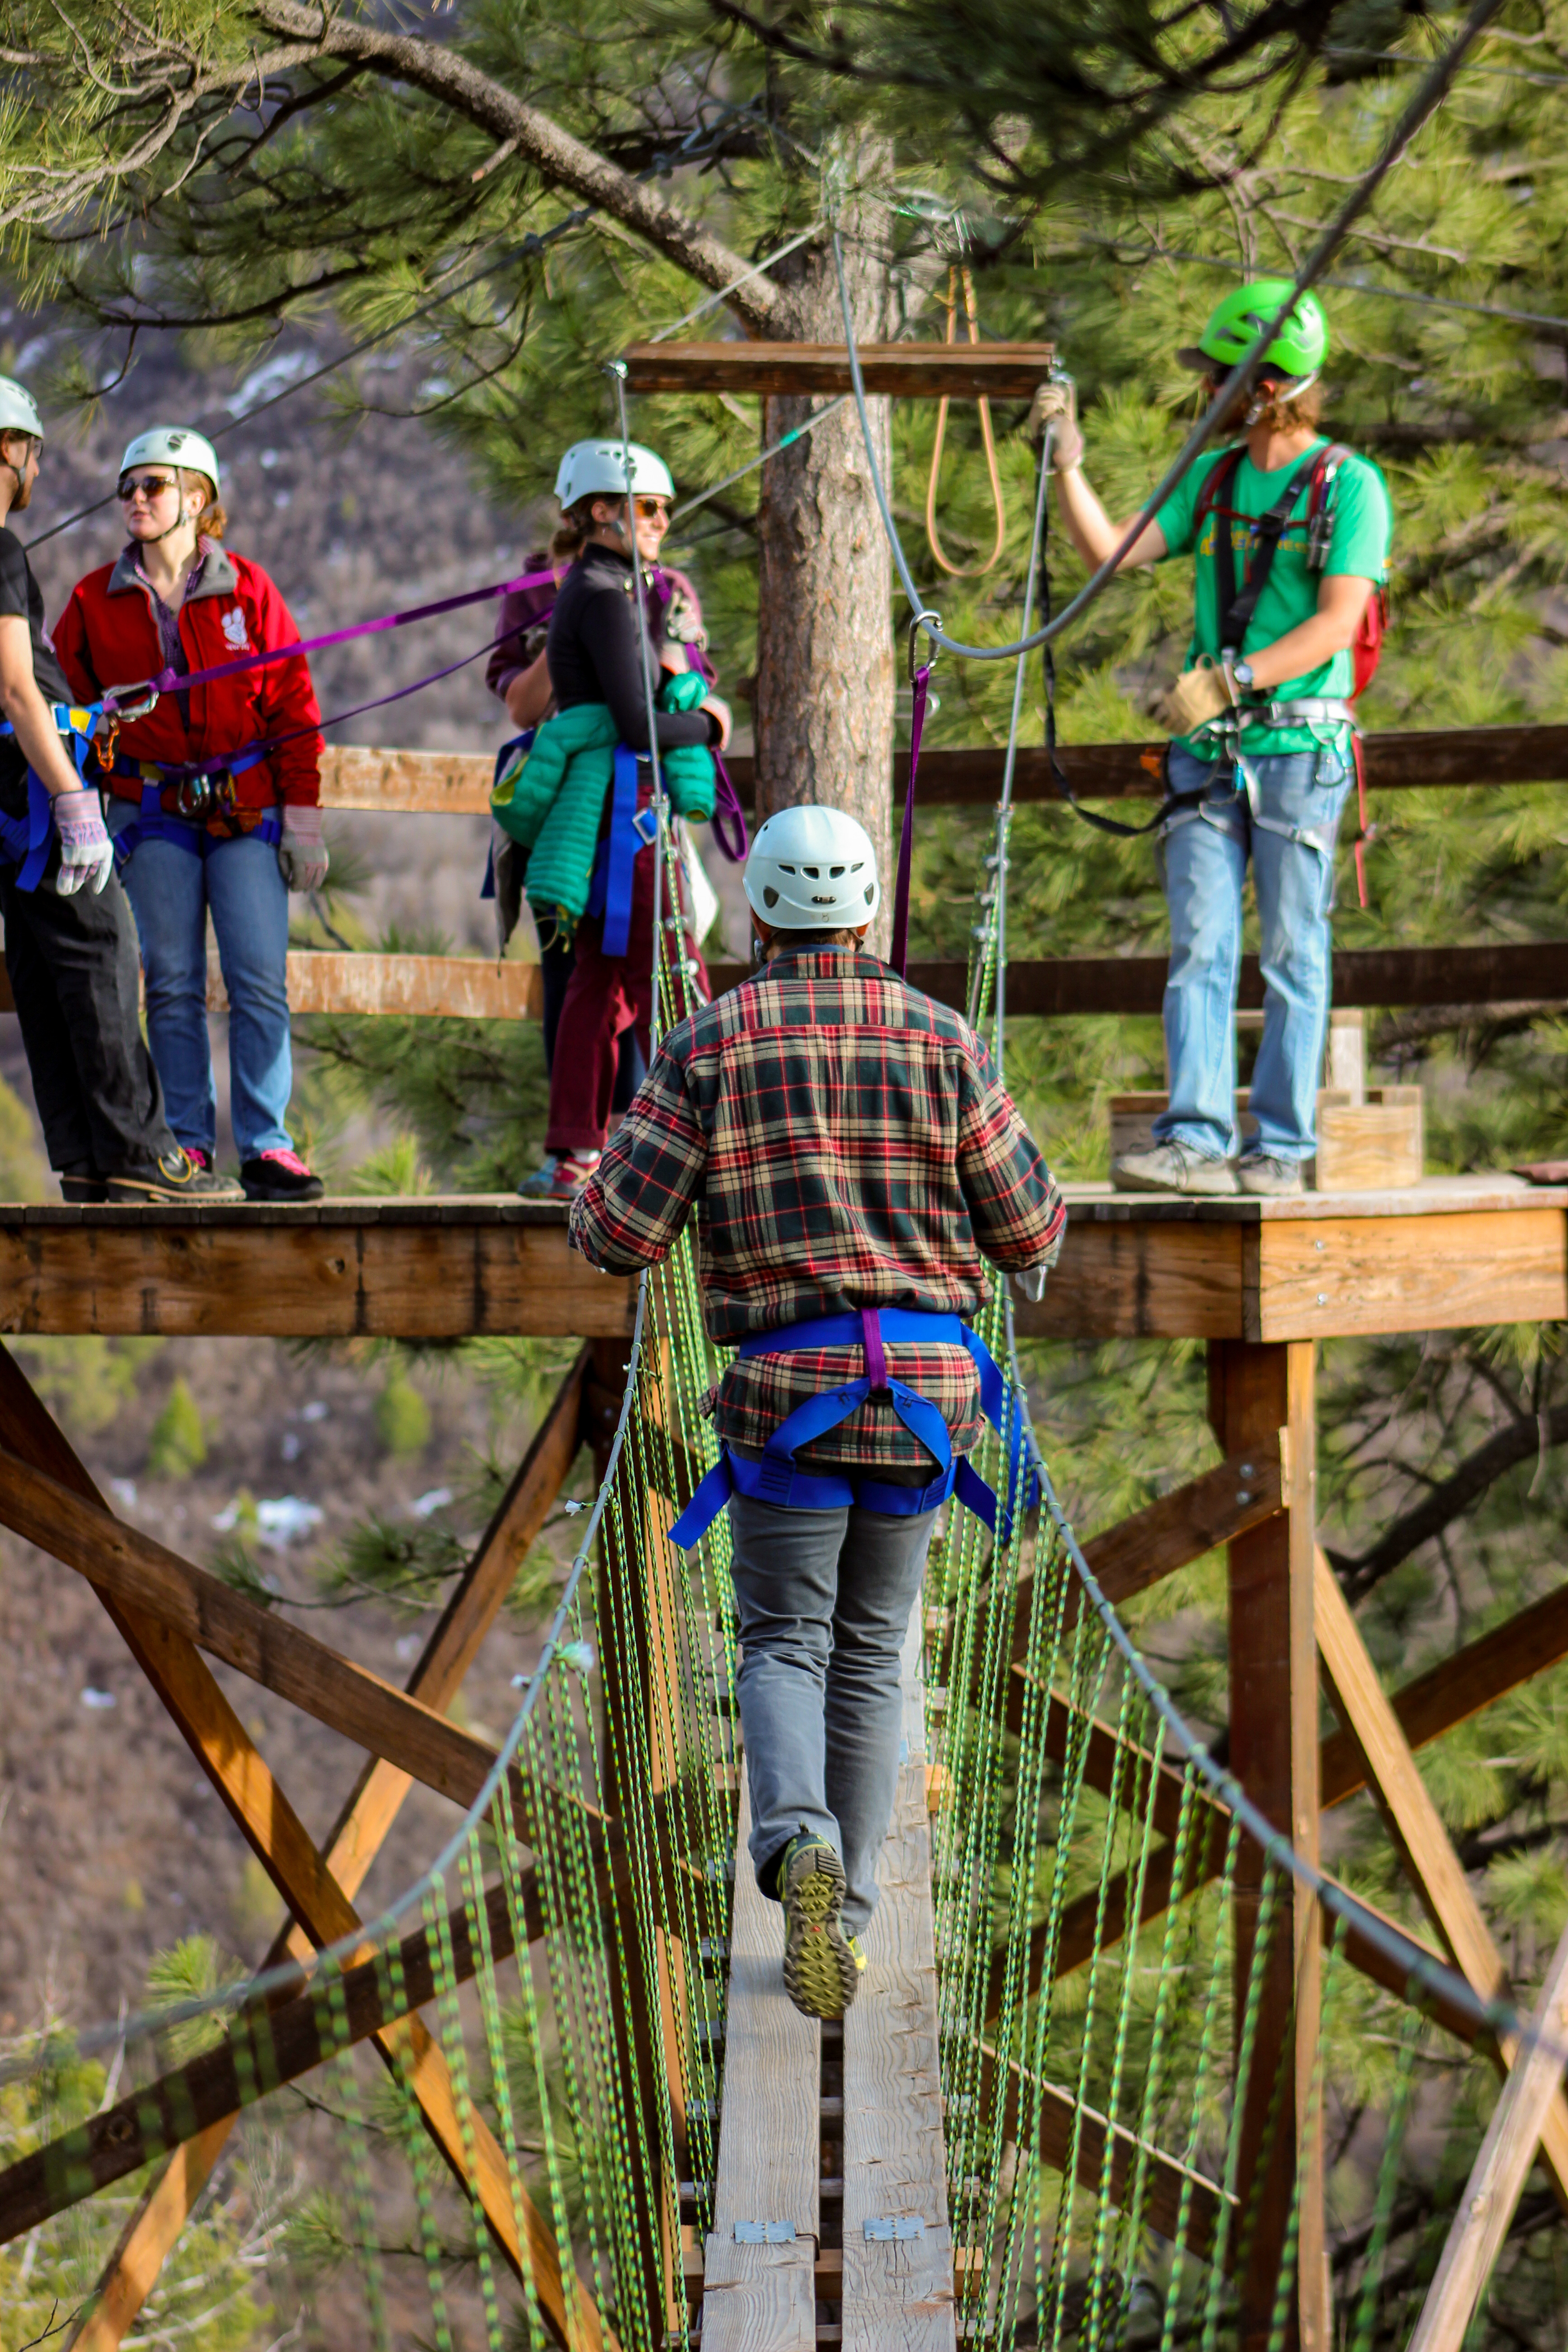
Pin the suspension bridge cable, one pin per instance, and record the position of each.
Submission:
(1240, 380)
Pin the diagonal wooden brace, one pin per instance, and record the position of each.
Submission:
(224, 1749)
(1416, 1828)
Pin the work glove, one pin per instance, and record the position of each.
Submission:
(1031, 1283)
(1199, 694)
(1056, 403)
(301, 853)
(87, 854)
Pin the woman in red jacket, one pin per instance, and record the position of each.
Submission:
(215, 795)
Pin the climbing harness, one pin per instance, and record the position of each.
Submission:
(1239, 603)
(956, 277)
(24, 842)
(775, 1479)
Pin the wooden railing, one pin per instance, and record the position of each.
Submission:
(475, 988)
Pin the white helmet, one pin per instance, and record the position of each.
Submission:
(174, 445)
(598, 468)
(813, 869)
(18, 409)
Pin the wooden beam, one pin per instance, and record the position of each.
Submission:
(1253, 1394)
(897, 2292)
(1415, 1826)
(361, 1830)
(1459, 1687)
(407, 1269)
(1063, 987)
(449, 988)
(1354, 1275)
(143, 1575)
(286, 2039)
(762, 2297)
(1533, 2089)
(457, 783)
(920, 371)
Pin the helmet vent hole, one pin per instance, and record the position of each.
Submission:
(870, 892)
(784, 868)
(770, 896)
(834, 872)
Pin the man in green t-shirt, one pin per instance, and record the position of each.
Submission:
(1262, 756)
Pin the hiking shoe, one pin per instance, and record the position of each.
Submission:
(279, 1176)
(560, 1176)
(1172, 1168)
(1277, 1180)
(174, 1178)
(821, 1968)
(83, 1184)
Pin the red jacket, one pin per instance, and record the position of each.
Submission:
(108, 636)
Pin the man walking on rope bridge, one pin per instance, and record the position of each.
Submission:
(1291, 537)
(851, 1152)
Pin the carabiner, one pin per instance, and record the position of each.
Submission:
(115, 709)
(915, 627)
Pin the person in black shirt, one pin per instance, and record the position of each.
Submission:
(71, 943)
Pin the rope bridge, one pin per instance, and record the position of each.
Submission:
(1075, 2102)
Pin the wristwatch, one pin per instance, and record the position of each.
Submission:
(1242, 673)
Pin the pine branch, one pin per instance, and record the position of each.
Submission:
(1449, 1500)
(563, 161)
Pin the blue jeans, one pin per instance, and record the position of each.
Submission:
(1288, 825)
(824, 1600)
(171, 889)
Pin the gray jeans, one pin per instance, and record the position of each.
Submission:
(824, 1600)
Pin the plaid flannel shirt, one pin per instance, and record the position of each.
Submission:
(847, 1142)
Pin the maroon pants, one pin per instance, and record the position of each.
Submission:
(604, 996)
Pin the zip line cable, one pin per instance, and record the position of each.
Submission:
(711, 301)
(690, 505)
(1339, 285)
(534, 242)
(1242, 377)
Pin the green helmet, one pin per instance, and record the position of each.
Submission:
(1298, 348)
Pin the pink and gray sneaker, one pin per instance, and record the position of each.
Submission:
(279, 1176)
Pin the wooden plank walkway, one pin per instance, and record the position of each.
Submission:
(759, 2291)
(898, 2288)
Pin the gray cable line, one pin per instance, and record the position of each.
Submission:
(1241, 378)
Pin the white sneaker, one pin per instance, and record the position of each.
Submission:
(1173, 1167)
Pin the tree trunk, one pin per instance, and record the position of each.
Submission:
(825, 648)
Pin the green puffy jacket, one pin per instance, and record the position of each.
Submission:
(552, 798)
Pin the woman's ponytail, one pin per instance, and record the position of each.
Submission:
(212, 521)
(572, 531)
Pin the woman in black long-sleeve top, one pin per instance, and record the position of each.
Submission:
(601, 651)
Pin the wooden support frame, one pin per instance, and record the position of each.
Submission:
(1533, 2089)
(361, 1830)
(1254, 1393)
(918, 370)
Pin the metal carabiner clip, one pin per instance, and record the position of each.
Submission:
(113, 709)
(916, 626)
(193, 795)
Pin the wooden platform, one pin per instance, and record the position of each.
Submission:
(1448, 1253)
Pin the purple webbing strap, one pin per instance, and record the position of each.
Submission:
(871, 1340)
(168, 680)
(900, 955)
(726, 811)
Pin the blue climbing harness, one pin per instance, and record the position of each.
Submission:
(774, 1479)
(25, 841)
(631, 831)
(185, 825)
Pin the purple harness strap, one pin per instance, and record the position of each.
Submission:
(726, 811)
(900, 954)
(168, 680)
(871, 1338)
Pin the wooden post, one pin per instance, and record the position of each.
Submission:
(1255, 1392)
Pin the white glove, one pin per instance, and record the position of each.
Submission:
(1031, 1283)
(87, 854)
(301, 853)
(1056, 403)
